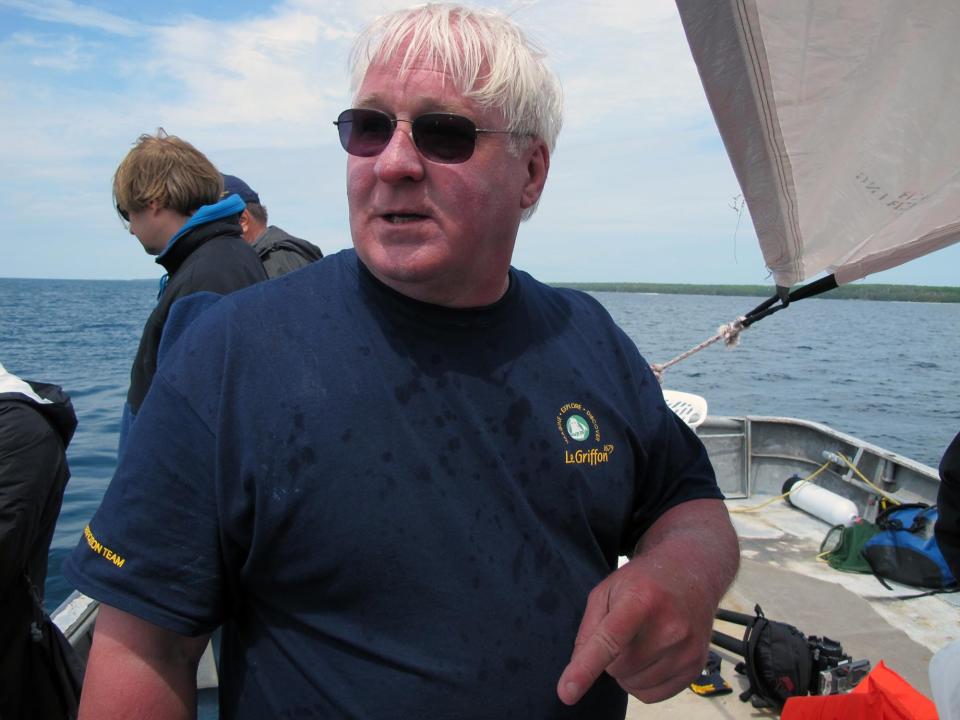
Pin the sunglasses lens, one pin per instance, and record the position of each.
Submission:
(124, 214)
(364, 133)
(445, 138)
(440, 137)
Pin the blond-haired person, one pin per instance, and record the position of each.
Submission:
(168, 194)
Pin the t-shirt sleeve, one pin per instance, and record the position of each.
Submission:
(152, 548)
(672, 463)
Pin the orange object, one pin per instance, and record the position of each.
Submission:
(881, 695)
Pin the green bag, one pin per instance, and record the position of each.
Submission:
(841, 547)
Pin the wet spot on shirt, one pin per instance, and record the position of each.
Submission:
(303, 711)
(406, 391)
(541, 558)
(423, 474)
(445, 463)
(513, 665)
(298, 421)
(547, 602)
(304, 456)
(517, 567)
(518, 413)
(364, 350)
(387, 457)
(347, 435)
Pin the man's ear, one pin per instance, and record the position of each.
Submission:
(244, 221)
(538, 165)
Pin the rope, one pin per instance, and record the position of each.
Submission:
(883, 493)
(809, 478)
(729, 333)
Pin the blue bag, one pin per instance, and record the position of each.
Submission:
(906, 551)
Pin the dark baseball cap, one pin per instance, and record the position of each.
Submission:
(232, 185)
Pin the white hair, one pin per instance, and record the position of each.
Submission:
(488, 56)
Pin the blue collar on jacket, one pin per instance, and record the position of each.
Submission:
(231, 205)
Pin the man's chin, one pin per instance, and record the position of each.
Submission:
(400, 262)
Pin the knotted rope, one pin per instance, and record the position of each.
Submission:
(729, 333)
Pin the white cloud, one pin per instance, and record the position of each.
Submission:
(66, 53)
(639, 174)
(71, 13)
(261, 73)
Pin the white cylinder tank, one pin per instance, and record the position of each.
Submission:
(821, 503)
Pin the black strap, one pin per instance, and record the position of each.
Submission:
(785, 297)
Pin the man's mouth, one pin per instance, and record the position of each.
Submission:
(401, 218)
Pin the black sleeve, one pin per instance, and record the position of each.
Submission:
(948, 503)
(31, 467)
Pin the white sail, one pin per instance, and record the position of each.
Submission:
(842, 122)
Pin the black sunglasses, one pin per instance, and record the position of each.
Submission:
(440, 137)
(123, 214)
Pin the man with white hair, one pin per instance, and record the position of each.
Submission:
(422, 517)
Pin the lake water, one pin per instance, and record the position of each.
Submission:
(883, 371)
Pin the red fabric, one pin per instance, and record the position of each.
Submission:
(881, 695)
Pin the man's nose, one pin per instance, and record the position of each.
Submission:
(400, 159)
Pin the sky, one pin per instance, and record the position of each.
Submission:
(640, 189)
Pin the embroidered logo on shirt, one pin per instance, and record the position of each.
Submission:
(579, 429)
(99, 548)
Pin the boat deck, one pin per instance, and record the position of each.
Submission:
(779, 570)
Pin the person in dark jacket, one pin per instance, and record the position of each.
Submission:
(37, 422)
(169, 193)
(279, 251)
(947, 529)
(945, 664)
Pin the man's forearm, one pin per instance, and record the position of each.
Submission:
(697, 537)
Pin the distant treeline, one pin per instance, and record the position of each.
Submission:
(903, 293)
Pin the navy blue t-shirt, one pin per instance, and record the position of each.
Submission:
(396, 510)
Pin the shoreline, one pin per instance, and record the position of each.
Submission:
(855, 291)
(882, 292)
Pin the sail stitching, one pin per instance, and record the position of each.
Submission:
(777, 152)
